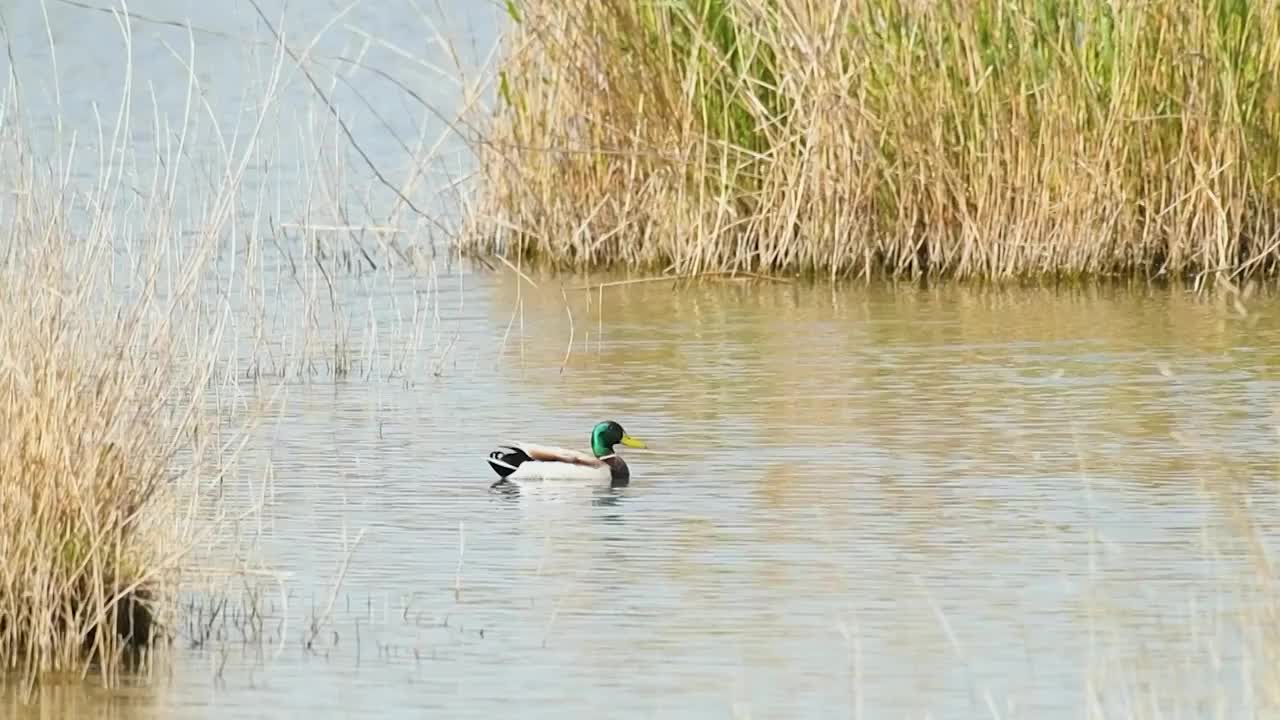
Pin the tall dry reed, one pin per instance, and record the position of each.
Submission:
(91, 415)
(148, 267)
(108, 340)
(995, 139)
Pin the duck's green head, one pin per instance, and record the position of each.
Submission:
(609, 433)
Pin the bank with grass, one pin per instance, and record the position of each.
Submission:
(887, 137)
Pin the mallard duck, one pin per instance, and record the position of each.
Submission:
(527, 461)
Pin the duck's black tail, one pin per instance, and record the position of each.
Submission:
(505, 460)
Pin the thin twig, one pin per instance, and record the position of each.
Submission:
(517, 271)
(686, 276)
(568, 349)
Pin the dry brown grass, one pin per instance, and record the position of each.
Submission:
(84, 453)
(108, 341)
(101, 388)
(148, 265)
(963, 139)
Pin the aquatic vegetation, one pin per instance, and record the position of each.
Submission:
(994, 139)
(110, 428)
(86, 441)
(108, 342)
(160, 277)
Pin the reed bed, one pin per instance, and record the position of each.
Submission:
(108, 434)
(1046, 138)
(158, 292)
(92, 412)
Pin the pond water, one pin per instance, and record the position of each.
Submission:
(858, 501)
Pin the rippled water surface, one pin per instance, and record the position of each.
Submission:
(857, 502)
(908, 503)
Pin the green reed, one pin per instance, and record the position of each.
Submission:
(1055, 137)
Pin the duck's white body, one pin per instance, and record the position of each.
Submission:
(542, 470)
(528, 462)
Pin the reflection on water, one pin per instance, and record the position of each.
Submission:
(69, 698)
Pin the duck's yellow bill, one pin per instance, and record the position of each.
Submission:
(632, 442)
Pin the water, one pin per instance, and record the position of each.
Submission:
(861, 502)
(912, 503)
(188, 89)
